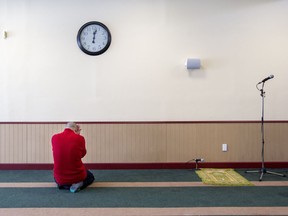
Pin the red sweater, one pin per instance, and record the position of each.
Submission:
(68, 150)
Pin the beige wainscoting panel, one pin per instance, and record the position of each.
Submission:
(13, 143)
(125, 142)
(276, 142)
(142, 142)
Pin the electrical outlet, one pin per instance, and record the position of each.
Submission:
(224, 147)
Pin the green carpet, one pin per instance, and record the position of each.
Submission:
(144, 175)
(144, 197)
(140, 196)
(222, 177)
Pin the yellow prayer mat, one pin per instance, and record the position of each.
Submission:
(222, 177)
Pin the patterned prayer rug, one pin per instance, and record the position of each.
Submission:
(222, 177)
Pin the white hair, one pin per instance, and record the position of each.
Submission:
(71, 125)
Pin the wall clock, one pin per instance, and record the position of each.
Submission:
(94, 38)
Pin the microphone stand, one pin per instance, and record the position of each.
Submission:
(263, 170)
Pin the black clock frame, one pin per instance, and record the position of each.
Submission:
(98, 52)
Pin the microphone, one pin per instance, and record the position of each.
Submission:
(267, 78)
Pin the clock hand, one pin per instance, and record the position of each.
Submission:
(94, 33)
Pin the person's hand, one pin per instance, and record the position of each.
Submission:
(78, 129)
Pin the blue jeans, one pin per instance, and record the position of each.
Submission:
(86, 182)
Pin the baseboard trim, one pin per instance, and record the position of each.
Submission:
(171, 165)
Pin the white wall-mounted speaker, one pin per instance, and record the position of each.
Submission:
(192, 63)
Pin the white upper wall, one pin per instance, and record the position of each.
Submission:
(44, 76)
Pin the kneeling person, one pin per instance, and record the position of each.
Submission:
(68, 150)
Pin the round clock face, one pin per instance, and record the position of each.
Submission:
(94, 38)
